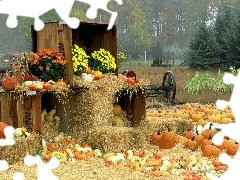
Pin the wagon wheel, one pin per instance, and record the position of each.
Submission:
(169, 86)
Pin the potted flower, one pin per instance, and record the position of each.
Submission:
(80, 60)
(47, 64)
(102, 61)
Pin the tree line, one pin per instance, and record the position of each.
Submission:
(217, 46)
(163, 28)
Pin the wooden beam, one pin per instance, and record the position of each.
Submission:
(13, 112)
(36, 113)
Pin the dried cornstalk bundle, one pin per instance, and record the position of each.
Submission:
(178, 125)
(20, 149)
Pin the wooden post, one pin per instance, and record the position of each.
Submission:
(13, 112)
(36, 113)
(65, 112)
(138, 108)
(135, 106)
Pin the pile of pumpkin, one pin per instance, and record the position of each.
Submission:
(157, 164)
(194, 141)
(29, 82)
(198, 113)
(65, 148)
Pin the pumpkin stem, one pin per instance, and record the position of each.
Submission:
(196, 129)
(193, 138)
(227, 138)
(168, 128)
(218, 129)
(158, 132)
(210, 126)
(210, 137)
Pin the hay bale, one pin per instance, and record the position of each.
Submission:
(94, 102)
(22, 147)
(113, 139)
(178, 125)
(93, 109)
(50, 129)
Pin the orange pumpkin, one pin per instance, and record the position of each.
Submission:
(52, 147)
(80, 156)
(199, 139)
(206, 142)
(211, 151)
(90, 154)
(155, 137)
(97, 75)
(186, 106)
(191, 144)
(158, 155)
(2, 127)
(188, 134)
(117, 109)
(226, 143)
(232, 149)
(9, 82)
(167, 140)
(208, 132)
(196, 117)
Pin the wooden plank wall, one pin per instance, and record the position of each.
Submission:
(59, 38)
(93, 37)
(135, 106)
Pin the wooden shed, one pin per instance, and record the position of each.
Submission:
(89, 36)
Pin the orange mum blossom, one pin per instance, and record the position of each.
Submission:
(47, 68)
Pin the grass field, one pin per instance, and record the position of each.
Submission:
(155, 75)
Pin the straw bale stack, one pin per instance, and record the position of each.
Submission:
(178, 125)
(94, 102)
(113, 139)
(22, 147)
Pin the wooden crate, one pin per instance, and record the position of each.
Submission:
(134, 105)
(21, 111)
(89, 36)
(26, 111)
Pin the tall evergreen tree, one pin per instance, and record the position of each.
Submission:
(202, 54)
(233, 42)
(221, 32)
